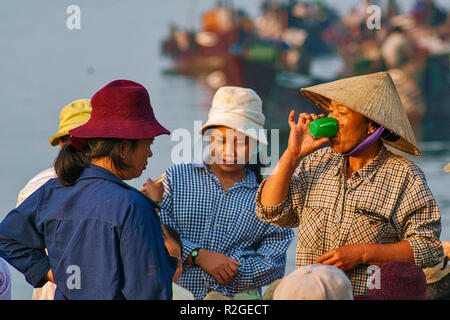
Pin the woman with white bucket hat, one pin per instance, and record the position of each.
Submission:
(226, 248)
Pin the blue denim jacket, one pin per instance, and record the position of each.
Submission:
(103, 237)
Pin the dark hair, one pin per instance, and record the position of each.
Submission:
(64, 139)
(70, 163)
(387, 134)
(256, 168)
(168, 231)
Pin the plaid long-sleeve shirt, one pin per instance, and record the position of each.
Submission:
(386, 201)
(208, 217)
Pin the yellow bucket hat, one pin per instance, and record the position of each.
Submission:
(72, 116)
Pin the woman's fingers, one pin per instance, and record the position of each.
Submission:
(218, 276)
(235, 262)
(303, 118)
(314, 116)
(321, 141)
(291, 119)
(326, 256)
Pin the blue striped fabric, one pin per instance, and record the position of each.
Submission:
(206, 216)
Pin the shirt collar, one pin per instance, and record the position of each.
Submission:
(92, 171)
(249, 181)
(369, 170)
(365, 172)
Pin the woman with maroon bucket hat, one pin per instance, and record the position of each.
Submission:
(103, 237)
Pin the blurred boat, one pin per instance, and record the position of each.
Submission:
(299, 44)
(196, 53)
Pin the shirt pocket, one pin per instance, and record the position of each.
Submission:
(311, 230)
(371, 225)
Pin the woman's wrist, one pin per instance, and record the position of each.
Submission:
(364, 258)
(292, 159)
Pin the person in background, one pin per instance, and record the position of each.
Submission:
(5, 281)
(103, 237)
(314, 282)
(226, 248)
(174, 245)
(72, 116)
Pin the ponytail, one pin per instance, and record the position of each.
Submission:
(69, 164)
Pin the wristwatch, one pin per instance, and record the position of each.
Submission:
(194, 255)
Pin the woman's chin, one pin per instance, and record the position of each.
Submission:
(230, 167)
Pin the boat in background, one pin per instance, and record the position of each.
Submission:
(297, 44)
(199, 53)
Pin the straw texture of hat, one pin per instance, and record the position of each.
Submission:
(375, 97)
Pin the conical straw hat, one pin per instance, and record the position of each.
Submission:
(375, 97)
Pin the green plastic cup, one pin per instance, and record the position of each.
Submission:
(323, 127)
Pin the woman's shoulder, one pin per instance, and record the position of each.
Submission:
(401, 165)
(323, 157)
(182, 170)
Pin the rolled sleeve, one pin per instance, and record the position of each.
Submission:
(22, 241)
(285, 214)
(422, 225)
(37, 272)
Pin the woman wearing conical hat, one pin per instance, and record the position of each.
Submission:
(356, 204)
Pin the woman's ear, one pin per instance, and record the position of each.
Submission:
(371, 128)
(123, 148)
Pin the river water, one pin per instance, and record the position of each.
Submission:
(44, 66)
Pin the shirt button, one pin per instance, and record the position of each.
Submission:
(218, 225)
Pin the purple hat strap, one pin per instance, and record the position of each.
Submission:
(365, 143)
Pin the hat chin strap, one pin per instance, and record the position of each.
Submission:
(366, 143)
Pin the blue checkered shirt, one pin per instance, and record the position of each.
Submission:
(208, 217)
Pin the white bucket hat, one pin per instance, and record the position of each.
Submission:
(314, 282)
(240, 109)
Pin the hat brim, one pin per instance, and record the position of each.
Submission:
(241, 124)
(54, 139)
(132, 130)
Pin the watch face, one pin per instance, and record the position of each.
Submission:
(194, 253)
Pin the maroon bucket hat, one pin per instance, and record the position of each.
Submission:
(121, 110)
(399, 280)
